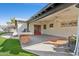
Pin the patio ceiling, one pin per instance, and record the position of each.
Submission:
(69, 12)
(53, 10)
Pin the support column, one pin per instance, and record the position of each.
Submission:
(76, 51)
(16, 24)
(28, 27)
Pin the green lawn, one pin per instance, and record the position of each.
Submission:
(11, 47)
(2, 33)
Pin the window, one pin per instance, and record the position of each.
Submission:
(44, 27)
(51, 25)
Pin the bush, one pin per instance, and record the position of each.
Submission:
(72, 42)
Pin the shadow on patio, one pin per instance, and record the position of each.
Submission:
(37, 46)
(50, 53)
(35, 39)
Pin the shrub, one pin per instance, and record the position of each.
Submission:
(72, 39)
(72, 42)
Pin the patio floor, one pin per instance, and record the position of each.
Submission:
(37, 46)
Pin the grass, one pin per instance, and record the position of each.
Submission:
(11, 47)
(2, 33)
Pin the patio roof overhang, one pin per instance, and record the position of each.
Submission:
(50, 9)
(21, 21)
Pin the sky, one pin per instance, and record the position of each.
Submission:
(18, 10)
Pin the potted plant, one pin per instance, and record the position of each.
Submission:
(72, 42)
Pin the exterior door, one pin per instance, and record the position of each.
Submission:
(37, 29)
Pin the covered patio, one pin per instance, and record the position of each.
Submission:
(52, 23)
(38, 46)
(62, 23)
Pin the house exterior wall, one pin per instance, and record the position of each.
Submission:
(67, 15)
(21, 27)
(58, 30)
(12, 30)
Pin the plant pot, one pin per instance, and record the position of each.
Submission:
(25, 37)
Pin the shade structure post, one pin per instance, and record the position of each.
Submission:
(28, 27)
(76, 51)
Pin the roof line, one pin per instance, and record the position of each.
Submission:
(41, 10)
(62, 6)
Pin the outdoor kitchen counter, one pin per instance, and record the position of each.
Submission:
(25, 37)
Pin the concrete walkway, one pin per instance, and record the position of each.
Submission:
(37, 46)
(8, 35)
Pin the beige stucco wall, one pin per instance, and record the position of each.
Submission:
(66, 15)
(58, 30)
(12, 30)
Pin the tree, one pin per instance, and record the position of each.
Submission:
(13, 20)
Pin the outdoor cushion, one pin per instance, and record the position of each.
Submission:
(57, 42)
